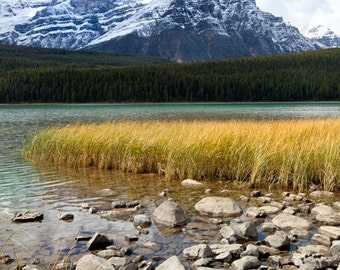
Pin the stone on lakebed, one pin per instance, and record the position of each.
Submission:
(218, 206)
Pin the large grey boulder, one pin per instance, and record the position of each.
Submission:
(278, 240)
(169, 214)
(246, 262)
(197, 252)
(218, 206)
(173, 263)
(91, 262)
(288, 221)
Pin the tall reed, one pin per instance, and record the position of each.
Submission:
(288, 153)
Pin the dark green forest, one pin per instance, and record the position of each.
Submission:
(48, 75)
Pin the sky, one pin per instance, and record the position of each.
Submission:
(305, 14)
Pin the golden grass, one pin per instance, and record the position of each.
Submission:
(290, 153)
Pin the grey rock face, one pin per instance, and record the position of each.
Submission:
(98, 241)
(173, 263)
(185, 30)
(288, 221)
(335, 248)
(28, 217)
(198, 252)
(279, 240)
(218, 206)
(142, 220)
(246, 262)
(90, 262)
(169, 214)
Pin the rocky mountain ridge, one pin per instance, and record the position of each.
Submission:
(180, 30)
(324, 37)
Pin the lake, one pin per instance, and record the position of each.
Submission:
(24, 186)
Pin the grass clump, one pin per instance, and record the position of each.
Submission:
(289, 153)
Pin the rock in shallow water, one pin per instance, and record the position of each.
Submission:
(98, 241)
(169, 214)
(28, 217)
(218, 206)
(288, 221)
(279, 240)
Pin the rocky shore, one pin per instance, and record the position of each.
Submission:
(254, 231)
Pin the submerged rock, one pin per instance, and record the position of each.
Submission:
(218, 206)
(169, 214)
(28, 217)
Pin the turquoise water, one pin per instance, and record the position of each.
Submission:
(25, 187)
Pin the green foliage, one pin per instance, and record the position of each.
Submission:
(37, 75)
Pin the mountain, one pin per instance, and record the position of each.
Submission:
(324, 37)
(180, 30)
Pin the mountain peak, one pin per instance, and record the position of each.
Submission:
(181, 30)
(324, 37)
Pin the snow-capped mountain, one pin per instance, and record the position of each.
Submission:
(181, 30)
(323, 37)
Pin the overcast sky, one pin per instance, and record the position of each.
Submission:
(305, 14)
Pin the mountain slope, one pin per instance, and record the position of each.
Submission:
(181, 30)
(324, 37)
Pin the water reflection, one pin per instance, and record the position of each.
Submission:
(24, 186)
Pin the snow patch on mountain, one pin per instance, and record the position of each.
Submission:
(324, 37)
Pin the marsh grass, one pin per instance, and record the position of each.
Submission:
(288, 153)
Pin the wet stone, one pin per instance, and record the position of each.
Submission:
(27, 217)
(218, 206)
(142, 220)
(66, 216)
(98, 241)
(169, 214)
(299, 232)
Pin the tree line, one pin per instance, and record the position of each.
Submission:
(297, 77)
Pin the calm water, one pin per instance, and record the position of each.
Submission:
(27, 187)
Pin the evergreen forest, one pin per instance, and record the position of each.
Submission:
(48, 75)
